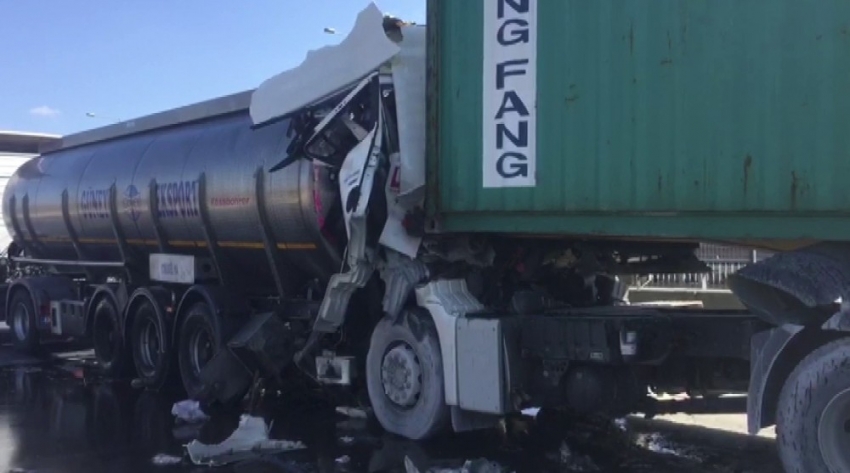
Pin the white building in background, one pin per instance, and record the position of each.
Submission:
(16, 148)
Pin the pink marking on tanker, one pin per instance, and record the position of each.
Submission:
(317, 199)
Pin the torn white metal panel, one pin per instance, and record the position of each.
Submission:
(357, 175)
(326, 70)
(409, 79)
(189, 411)
(405, 189)
(394, 235)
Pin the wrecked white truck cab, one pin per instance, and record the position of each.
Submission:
(281, 233)
(369, 65)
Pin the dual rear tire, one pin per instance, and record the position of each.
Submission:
(200, 339)
(150, 345)
(108, 339)
(813, 414)
(147, 346)
(23, 322)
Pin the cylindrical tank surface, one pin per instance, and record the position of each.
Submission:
(182, 170)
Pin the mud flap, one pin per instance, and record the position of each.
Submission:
(261, 346)
(798, 287)
(765, 349)
(225, 379)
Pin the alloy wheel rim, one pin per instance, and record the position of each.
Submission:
(401, 375)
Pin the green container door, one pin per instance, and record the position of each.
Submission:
(715, 119)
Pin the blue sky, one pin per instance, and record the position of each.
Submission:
(61, 59)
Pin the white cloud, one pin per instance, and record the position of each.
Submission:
(44, 111)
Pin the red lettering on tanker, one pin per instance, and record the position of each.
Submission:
(229, 201)
(395, 179)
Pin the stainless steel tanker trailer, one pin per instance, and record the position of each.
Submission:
(444, 233)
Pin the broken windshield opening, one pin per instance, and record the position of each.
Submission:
(328, 131)
(348, 124)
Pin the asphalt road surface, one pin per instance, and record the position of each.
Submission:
(56, 415)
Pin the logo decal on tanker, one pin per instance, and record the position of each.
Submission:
(94, 203)
(509, 93)
(133, 202)
(174, 199)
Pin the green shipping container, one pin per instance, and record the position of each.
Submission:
(700, 119)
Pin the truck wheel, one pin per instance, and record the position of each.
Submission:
(108, 339)
(200, 340)
(150, 342)
(813, 414)
(404, 376)
(23, 322)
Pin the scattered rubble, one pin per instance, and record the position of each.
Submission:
(575, 462)
(481, 465)
(655, 442)
(622, 424)
(163, 459)
(189, 411)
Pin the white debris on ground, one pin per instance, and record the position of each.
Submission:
(655, 442)
(250, 437)
(189, 411)
(343, 459)
(621, 424)
(352, 412)
(480, 465)
(346, 440)
(163, 460)
(531, 411)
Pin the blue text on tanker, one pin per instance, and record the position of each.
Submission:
(174, 199)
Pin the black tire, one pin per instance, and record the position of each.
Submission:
(813, 387)
(416, 417)
(23, 323)
(108, 339)
(198, 322)
(151, 345)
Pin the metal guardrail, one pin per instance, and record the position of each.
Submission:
(723, 261)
